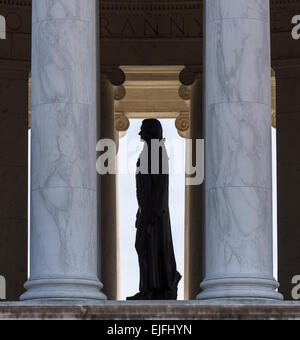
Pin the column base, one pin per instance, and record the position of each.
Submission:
(240, 287)
(63, 289)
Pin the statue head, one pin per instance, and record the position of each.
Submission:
(151, 129)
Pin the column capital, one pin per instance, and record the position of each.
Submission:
(189, 74)
(120, 93)
(183, 125)
(184, 92)
(122, 123)
(115, 75)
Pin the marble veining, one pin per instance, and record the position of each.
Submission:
(239, 220)
(62, 64)
(65, 217)
(47, 10)
(239, 151)
(238, 186)
(63, 146)
(246, 9)
(237, 46)
(64, 230)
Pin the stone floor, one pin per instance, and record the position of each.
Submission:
(185, 310)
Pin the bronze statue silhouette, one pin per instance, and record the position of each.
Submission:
(159, 277)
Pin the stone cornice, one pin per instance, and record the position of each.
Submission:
(157, 6)
(16, 4)
(129, 26)
(281, 3)
(173, 5)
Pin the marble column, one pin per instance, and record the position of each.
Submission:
(13, 175)
(109, 216)
(288, 172)
(194, 193)
(238, 167)
(64, 238)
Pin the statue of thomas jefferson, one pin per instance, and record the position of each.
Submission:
(159, 277)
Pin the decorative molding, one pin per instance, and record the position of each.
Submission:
(189, 74)
(157, 6)
(182, 124)
(152, 92)
(122, 123)
(170, 5)
(147, 5)
(153, 74)
(16, 3)
(116, 76)
(280, 3)
(185, 92)
(119, 93)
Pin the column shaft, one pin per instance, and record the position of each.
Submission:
(13, 176)
(288, 174)
(108, 192)
(64, 239)
(238, 184)
(194, 207)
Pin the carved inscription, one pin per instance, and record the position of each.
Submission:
(151, 27)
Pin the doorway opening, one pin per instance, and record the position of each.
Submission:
(129, 149)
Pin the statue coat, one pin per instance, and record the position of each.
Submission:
(154, 243)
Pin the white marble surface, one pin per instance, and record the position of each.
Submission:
(238, 184)
(64, 216)
(64, 236)
(63, 146)
(238, 223)
(239, 146)
(60, 69)
(239, 54)
(243, 9)
(46, 10)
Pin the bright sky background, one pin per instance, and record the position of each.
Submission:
(274, 162)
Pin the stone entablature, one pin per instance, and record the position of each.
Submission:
(173, 25)
(151, 20)
(155, 9)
